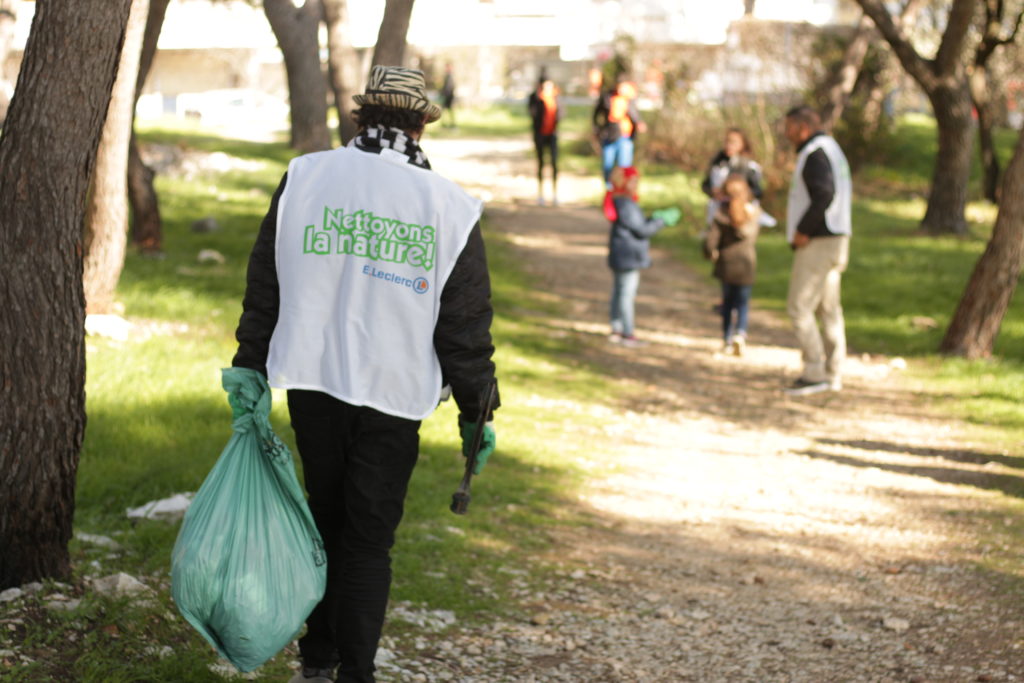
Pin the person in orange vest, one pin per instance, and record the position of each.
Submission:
(616, 122)
(545, 113)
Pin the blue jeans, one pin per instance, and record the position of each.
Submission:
(624, 289)
(618, 153)
(735, 298)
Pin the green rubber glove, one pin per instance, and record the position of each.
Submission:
(669, 216)
(488, 440)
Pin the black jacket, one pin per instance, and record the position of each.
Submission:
(462, 337)
(631, 232)
(736, 164)
(820, 180)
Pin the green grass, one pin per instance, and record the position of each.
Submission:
(158, 418)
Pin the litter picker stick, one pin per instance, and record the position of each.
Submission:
(460, 499)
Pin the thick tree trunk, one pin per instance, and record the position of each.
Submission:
(390, 49)
(846, 77)
(975, 325)
(297, 30)
(106, 217)
(944, 80)
(342, 65)
(146, 228)
(47, 152)
(8, 17)
(947, 200)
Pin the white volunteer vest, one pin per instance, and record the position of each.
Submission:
(365, 244)
(837, 215)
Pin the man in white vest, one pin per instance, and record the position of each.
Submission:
(818, 227)
(367, 294)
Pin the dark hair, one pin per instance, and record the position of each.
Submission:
(748, 148)
(389, 117)
(806, 115)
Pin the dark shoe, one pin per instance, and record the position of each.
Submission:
(804, 387)
(309, 674)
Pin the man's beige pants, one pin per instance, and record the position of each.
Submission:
(814, 291)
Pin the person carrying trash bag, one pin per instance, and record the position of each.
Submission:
(367, 294)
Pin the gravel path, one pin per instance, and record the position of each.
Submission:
(753, 537)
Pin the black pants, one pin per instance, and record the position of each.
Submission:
(357, 463)
(540, 143)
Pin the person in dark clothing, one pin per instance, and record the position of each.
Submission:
(730, 246)
(736, 156)
(545, 108)
(367, 293)
(628, 248)
(448, 96)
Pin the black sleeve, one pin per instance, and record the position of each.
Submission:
(262, 295)
(754, 180)
(817, 175)
(706, 185)
(462, 337)
(715, 160)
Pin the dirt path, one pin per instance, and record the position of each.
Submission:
(753, 537)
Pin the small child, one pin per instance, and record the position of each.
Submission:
(628, 249)
(730, 245)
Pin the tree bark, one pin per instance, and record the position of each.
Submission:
(390, 49)
(146, 228)
(846, 77)
(975, 325)
(341, 66)
(944, 81)
(8, 17)
(297, 29)
(106, 217)
(947, 199)
(47, 153)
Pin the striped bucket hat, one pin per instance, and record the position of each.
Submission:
(398, 87)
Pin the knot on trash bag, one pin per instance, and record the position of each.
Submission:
(249, 397)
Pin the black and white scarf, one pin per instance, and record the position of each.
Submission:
(374, 139)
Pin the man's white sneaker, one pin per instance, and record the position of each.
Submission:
(835, 384)
(803, 387)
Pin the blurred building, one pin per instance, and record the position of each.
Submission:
(219, 58)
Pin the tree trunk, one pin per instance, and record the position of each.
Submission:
(390, 49)
(8, 16)
(341, 66)
(47, 152)
(106, 218)
(146, 229)
(944, 80)
(297, 30)
(947, 200)
(975, 325)
(846, 77)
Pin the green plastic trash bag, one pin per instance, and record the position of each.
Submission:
(249, 564)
